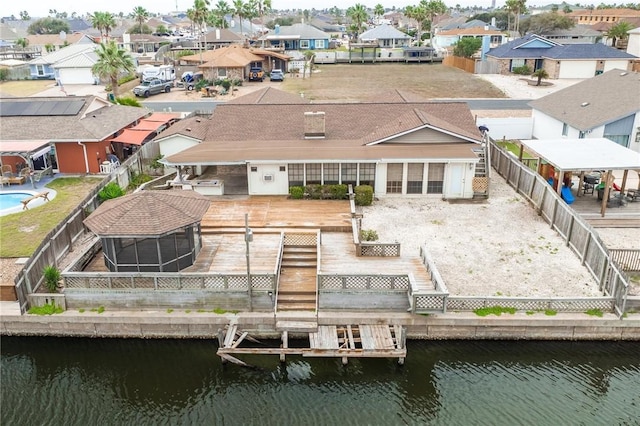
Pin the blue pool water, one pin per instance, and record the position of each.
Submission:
(12, 199)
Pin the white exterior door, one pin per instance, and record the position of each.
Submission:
(455, 181)
(76, 76)
(268, 179)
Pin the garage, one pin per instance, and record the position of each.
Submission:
(76, 76)
(577, 69)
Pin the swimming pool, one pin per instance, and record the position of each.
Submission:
(10, 201)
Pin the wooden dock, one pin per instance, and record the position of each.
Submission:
(333, 341)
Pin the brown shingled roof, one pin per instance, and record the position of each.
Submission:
(147, 213)
(194, 127)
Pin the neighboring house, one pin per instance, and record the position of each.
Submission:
(633, 44)
(72, 133)
(448, 38)
(385, 36)
(220, 37)
(233, 62)
(595, 16)
(326, 24)
(55, 42)
(606, 105)
(559, 61)
(297, 37)
(142, 43)
(579, 34)
(76, 60)
(396, 145)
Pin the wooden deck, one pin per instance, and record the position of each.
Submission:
(277, 212)
(334, 341)
(625, 216)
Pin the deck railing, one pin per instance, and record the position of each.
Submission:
(628, 259)
(277, 273)
(577, 233)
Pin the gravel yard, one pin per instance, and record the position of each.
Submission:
(500, 247)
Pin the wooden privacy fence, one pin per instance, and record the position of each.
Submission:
(465, 64)
(576, 232)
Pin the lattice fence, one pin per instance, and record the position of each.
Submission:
(457, 303)
(308, 239)
(364, 282)
(379, 250)
(480, 184)
(431, 302)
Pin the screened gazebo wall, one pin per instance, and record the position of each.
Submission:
(166, 253)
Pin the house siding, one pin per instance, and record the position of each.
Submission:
(71, 156)
(425, 136)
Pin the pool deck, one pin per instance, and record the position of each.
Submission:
(28, 188)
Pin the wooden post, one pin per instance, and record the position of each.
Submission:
(581, 183)
(285, 345)
(624, 182)
(605, 196)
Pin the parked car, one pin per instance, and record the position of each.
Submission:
(256, 74)
(152, 87)
(190, 79)
(276, 75)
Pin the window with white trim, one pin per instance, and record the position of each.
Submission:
(435, 183)
(304, 44)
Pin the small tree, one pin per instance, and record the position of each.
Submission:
(467, 47)
(540, 75)
(111, 190)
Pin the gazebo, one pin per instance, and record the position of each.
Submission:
(150, 231)
(584, 155)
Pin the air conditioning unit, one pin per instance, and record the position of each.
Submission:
(267, 178)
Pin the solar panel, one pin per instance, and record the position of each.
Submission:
(17, 108)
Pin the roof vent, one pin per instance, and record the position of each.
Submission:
(622, 74)
(188, 129)
(584, 104)
(314, 127)
(197, 120)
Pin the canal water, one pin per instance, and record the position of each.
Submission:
(64, 381)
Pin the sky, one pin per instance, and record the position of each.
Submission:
(40, 8)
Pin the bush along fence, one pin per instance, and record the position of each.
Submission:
(576, 232)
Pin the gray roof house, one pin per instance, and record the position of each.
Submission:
(580, 34)
(385, 36)
(607, 105)
(68, 65)
(297, 37)
(560, 61)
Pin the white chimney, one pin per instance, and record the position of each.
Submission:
(217, 33)
(314, 125)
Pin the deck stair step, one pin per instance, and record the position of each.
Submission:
(297, 306)
(298, 264)
(305, 326)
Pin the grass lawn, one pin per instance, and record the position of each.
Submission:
(23, 87)
(21, 233)
(514, 147)
(357, 82)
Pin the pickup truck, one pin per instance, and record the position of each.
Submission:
(152, 87)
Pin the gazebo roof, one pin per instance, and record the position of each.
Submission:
(147, 213)
(585, 154)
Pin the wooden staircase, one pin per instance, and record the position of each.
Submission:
(297, 288)
(480, 178)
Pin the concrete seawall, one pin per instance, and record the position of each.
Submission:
(179, 324)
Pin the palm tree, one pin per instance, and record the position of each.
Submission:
(540, 74)
(359, 16)
(22, 43)
(619, 32)
(198, 16)
(217, 15)
(141, 15)
(239, 12)
(419, 14)
(433, 8)
(103, 22)
(378, 11)
(250, 12)
(111, 62)
(263, 7)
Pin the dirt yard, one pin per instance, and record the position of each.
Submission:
(365, 82)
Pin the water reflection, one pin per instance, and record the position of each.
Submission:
(111, 381)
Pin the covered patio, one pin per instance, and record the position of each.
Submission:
(593, 161)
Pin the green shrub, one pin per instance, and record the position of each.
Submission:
(363, 195)
(182, 53)
(523, 70)
(4, 74)
(494, 310)
(138, 179)
(48, 309)
(128, 101)
(296, 192)
(339, 192)
(226, 84)
(110, 191)
(594, 312)
(52, 276)
(368, 235)
(314, 191)
(237, 82)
